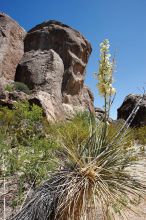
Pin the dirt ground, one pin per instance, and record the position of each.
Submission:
(12, 190)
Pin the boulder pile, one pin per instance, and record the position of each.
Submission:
(51, 60)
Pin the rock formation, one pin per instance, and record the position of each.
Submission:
(43, 71)
(127, 107)
(53, 66)
(71, 46)
(11, 47)
(52, 59)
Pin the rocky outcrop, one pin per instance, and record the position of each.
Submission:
(52, 59)
(127, 107)
(53, 66)
(11, 47)
(71, 46)
(41, 70)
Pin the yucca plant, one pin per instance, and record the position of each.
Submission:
(94, 180)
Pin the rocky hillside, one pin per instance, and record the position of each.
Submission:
(51, 60)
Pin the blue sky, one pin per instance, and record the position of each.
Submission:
(123, 22)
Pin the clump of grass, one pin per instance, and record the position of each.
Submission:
(19, 86)
(140, 134)
(72, 132)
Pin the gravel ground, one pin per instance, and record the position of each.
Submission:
(11, 192)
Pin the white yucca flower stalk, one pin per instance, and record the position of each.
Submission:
(105, 77)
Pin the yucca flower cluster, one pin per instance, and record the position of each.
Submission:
(105, 73)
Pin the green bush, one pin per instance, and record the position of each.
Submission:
(26, 149)
(18, 86)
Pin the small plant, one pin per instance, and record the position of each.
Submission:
(9, 87)
(18, 86)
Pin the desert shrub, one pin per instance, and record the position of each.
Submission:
(17, 86)
(23, 144)
(29, 144)
(22, 122)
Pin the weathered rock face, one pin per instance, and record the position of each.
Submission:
(11, 46)
(41, 70)
(71, 46)
(53, 66)
(127, 107)
(51, 105)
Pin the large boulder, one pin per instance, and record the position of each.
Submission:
(50, 104)
(71, 46)
(53, 66)
(42, 72)
(11, 47)
(128, 105)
